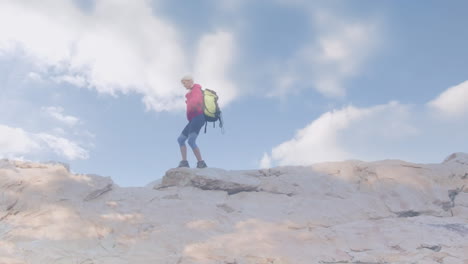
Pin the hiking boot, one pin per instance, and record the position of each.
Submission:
(183, 164)
(201, 164)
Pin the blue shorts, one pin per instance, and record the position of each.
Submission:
(194, 126)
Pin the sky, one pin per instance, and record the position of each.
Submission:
(96, 83)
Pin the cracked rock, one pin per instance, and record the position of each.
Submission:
(98, 193)
(435, 248)
(210, 179)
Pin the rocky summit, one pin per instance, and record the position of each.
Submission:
(387, 211)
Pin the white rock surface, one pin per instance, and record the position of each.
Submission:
(347, 212)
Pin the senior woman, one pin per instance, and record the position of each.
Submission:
(196, 120)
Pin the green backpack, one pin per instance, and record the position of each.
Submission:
(211, 109)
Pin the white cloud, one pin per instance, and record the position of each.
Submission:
(343, 47)
(35, 77)
(380, 132)
(215, 55)
(64, 147)
(265, 162)
(337, 53)
(453, 102)
(57, 113)
(115, 47)
(59, 131)
(75, 80)
(341, 134)
(16, 142)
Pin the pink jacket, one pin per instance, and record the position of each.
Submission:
(194, 102)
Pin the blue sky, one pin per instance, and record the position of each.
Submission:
(96, 84)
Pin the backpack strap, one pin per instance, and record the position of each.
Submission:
(206, 123)
(221, 123)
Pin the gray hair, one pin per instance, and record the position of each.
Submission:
(187, 78)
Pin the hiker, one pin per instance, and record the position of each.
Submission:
(196, 120)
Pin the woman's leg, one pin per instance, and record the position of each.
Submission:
(183, 152)
(183, 148)
(197, 154)
(190, 133)
(195, 126)
(192, 142)
(182, 138)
